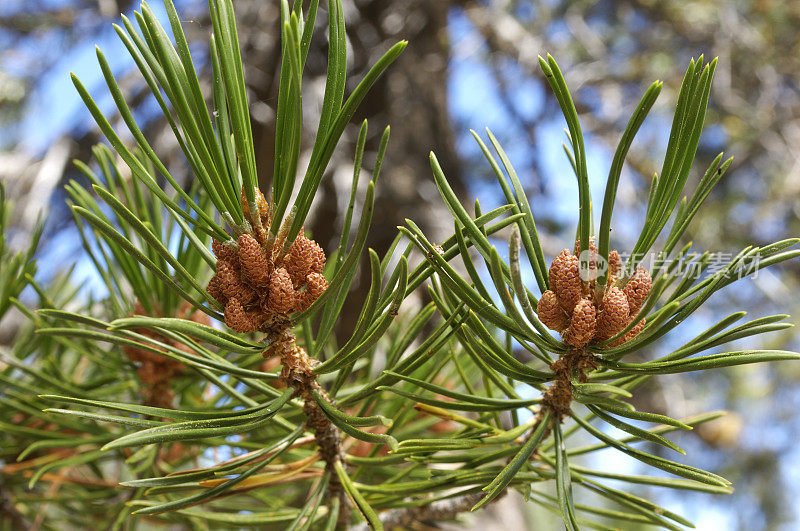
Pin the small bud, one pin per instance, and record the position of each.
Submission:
(582, 326)
(232, 285)
(261, 203)
(614, 313)
(281, 292)
(633, 332)
(223, 252)
(238, 319)
(316, 284)
(638, 288)
(550, 312)
(565, 279)
(298, 261)
(214, 289)
(614, 265)
(253, 261)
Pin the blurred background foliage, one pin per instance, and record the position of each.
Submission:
(472, 64)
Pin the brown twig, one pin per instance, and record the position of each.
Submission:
(298, 373)
(433, 512)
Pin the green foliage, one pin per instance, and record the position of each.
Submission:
(418, 406)
(18, 267)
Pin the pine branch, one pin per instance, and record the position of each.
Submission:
(298, 373)
(439, 511)
(402, 375)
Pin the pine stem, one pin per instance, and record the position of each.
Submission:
(298, 373)
(434, 512)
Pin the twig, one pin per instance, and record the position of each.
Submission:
(298, 373)
(433, 512)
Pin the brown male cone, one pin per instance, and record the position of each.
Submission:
(154, 370)
(582, 326)
(614, 265)
(572, 308)
(239, 319)
(638, 288)
(224, 252)
(261, 203)
(614, 315)
(550, 312)
(214, 289)
(256, 287)
(633, 332)
(565, 279)
(231, 283)
(253, 261)
(316, 283)
(281, 292)
(300, 259)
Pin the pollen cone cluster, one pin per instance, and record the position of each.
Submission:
(257, 284)
(574, 308)
(155, 371)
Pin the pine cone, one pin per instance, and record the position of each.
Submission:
(214, 289)
(592, 246)
(582, 326)
(232, 286)
(298, 261)
(550, 312)
(614, 315)
(238, 319)
(589, 273)
(261, 203)
(281, 292)
(637, 289)
(316, 284)
(224, 252)
(253, 261)
(614, 265)
(565, 280)
(317, 257)
(633, 332)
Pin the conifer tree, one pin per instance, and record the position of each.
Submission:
(206, 386)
